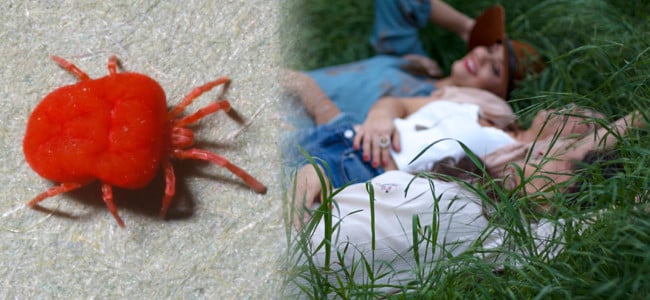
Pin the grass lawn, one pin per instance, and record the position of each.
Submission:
(598, 56)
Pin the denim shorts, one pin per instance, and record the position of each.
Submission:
(331, 147)
(395, 31)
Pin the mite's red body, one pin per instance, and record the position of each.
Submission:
(100, 129)
(115, 129)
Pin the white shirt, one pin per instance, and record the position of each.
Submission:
(444, 123)
(399, 197)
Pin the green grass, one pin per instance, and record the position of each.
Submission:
(598, 55)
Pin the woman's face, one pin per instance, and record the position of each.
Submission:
(565, 122)
(550, 160)
(481, 68)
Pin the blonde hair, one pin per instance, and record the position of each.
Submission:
(492, 107)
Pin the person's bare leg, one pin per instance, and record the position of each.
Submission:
(318, 105)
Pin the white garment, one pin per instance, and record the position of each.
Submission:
(398, 197)
(437, 121)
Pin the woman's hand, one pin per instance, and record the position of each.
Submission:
(307, 192)
(375, 137)
(421, 65)
(378, 133)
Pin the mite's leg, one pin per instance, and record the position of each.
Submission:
(198, 91)
(170, 186)
(70, 67)
(107, 195)
(112, 65)
(221, 161)
(213, 107)
(53, 191)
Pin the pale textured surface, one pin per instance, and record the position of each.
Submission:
(229, 242)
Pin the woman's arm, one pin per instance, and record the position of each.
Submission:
(379, 126)
(607, 137)
(318, 105)
(379, 122)
(449, 18)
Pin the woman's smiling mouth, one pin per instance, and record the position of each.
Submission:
(470, 65)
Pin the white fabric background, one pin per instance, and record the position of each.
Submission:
(229, 242)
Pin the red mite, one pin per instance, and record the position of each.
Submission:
(116, 129)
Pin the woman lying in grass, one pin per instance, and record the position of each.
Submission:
(603, 63)
(401, 68)
(390, 231)
(476, 118)
(464, 106)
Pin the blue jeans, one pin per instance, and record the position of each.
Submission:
(331, 147)
(395, 30)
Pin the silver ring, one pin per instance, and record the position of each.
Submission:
(384, 142)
